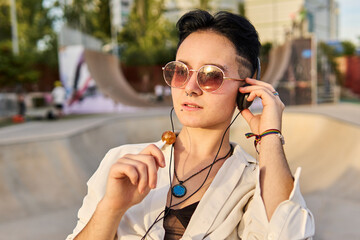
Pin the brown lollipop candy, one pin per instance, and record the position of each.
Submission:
(169, 137)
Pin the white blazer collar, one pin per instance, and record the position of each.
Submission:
(216, 195)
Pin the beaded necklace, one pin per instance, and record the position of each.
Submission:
(179, 190)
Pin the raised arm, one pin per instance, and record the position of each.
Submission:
(276, 181)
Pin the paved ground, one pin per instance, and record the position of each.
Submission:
(44, 166)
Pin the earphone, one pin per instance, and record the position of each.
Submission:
(164, 213)
(242, 104)
(241, 98)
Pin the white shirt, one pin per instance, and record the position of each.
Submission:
(58, 94)
(231, 208)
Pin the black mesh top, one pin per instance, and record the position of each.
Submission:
(177, 220)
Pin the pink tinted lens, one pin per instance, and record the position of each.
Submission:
(175, 74)
(210, 78)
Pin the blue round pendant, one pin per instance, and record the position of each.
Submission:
(178, 190)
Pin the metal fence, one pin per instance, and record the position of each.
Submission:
(8, 104)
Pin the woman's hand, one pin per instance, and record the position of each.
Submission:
(276, 181)
(273, 107)
(132, 177)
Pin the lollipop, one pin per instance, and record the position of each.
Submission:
(169, 137)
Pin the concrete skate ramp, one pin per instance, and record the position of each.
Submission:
(105, 70)
(44, 167)
(328, 151)
(43, 175)
(279, 60)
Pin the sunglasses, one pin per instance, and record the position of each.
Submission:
(209, 77)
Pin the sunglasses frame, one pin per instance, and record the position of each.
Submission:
(197, 79)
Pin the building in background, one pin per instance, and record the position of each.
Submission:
(323, 19)
(120, 11)
(276, 20)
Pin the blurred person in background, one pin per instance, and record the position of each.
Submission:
(159, 92)
(196, 184)
(20, 117)
(21, 104)
(59, 96)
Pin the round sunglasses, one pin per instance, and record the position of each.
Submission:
(209, 77)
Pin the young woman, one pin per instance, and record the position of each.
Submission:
(202, 186)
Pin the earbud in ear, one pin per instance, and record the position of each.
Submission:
(242, 102)
(241, 99)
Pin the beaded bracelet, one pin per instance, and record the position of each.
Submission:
(267, 132)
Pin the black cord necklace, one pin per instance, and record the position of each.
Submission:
(165, 213)
(179, 190)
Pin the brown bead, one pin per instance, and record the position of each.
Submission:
(169, 137)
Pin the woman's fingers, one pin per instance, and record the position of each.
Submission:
(264, 91)
(247, 115)
(155, 152)
(146, 169)
(141, 169)
(122, 170)
(273, 107)
(255, 82)
(132, 176)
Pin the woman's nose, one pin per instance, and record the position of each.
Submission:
(192, 85)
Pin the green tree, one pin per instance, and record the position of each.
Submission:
(349, 48)
(5, 27)
(241, 9)
(34, 27)
(204, 4)
(147, 38)
(265, 49)
(91, 17)
(78, 14)
(15, 70)
(102, 25)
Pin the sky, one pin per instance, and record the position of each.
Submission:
(349, 20)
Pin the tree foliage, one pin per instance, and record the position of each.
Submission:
(349, 48)
(15, 69)
(35, 28)
(204, 4)
(241, 9)
(91, 17)
(148, 38)
(5, 26)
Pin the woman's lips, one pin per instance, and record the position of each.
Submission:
(191, 106)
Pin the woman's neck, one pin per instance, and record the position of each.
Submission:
(202, 143)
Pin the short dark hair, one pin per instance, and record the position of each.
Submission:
(234, 27)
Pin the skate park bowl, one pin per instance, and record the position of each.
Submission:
(44, 166)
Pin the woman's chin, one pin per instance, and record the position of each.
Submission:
(200, 124)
